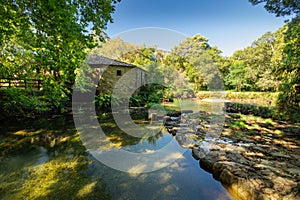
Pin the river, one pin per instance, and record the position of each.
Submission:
(44, 159)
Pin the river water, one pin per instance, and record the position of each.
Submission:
(45, 159)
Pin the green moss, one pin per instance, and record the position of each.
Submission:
(239, 125)
(59, 178)
(278, 132)
(269, 122)
(237, 135)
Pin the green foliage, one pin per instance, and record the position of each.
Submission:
(289, 71)
(289, 56)
(105, 101)
(272, 63)
(136, 101)
(152, 93)
(260, 98)
(115, 48)
(259, 64)
(83, 81)
(50, 40)
(236, 76)
(200, 62)
(247, 109)
(143, 57)
(56, 94)
(239, 125)
(15, 102)
(280, 7)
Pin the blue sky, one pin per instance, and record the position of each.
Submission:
(228, 24)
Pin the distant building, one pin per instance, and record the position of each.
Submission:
(109, 72)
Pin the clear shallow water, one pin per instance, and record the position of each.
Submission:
(53, 164)
(181, 180)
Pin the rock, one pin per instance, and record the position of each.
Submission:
(200, 130)
(187, 111)
(174, 114)
(180, 129)
(174, 118)
(280, 155)
(198, 153)
(169, 127)
(171, 123)
(256, 166)
(152, 116)
(166, 119)
(172, 131)
(182, 125)
(294, 171)
(227, 177)
(266, 172)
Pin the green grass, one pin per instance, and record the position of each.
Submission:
(260, 98)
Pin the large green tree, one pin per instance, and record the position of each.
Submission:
(280, 7)
(51, 38)
(288, 70)
(201, 62)
(115, 48)
(260, 61)
(237, 76)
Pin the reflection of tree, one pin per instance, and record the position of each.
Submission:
(153, 139)
(117, 137)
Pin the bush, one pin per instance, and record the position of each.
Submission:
(247, 109)
(104, 102)
(136, 101)
(15, 102)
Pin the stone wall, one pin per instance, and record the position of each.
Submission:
(129, 77)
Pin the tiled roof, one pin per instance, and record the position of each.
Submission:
(95, 61)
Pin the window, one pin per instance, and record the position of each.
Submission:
(119, 73)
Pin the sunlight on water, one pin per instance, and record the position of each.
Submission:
(35, 169)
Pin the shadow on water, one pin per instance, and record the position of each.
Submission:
(45, 159)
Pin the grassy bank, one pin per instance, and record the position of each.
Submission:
(260, 98)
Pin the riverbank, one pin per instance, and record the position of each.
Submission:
(253, 157)
(259, 98)
(263, 162)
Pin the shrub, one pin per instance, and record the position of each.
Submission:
(247, 109)
(105, 101)
(15, 102)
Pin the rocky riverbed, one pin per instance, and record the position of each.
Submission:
(253, 157)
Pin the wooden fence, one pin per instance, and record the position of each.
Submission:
(21, 83)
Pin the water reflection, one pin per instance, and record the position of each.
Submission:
(35, 167)
(181, 180)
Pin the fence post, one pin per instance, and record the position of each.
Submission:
(39, 84)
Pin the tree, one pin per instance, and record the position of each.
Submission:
(198, 60)
(288, 68)
(55, 36)
(260, 63)
(115, 48)
(280, 7)
(289, 72)
(237, 76)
